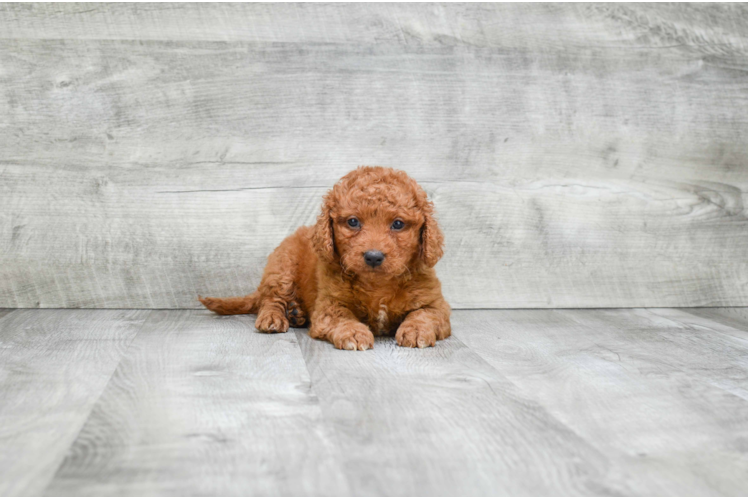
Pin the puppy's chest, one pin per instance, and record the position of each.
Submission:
(382, 316)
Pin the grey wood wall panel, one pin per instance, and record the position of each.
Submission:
(578, 155)
(717, 28)
(663, 393)
(204, 406)
(53, 367)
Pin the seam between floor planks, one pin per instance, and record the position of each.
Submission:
(704, 407)
(202, 404)
(337, 389)
(36, 483)
(98, 397)
(397, 465)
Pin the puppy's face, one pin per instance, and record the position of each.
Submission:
(377, 221)
(373, 236)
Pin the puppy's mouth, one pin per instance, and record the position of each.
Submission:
(382, 271)
(386, 269)
(366, 270)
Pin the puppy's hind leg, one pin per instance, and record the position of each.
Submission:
(272, 315)
(275, 299)
(296, 316)
(278, 291)
(271, 309)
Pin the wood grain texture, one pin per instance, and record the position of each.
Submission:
(579, 155)
(53, 366)
(736, 317)
(202, 405)
(661, 393)
(525, 402)
(441, 421)
(721, 28)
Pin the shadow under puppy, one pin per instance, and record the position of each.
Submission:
(364, 269)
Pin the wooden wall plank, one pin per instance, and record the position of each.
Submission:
(578, 155)
(135, 249)
(202, 405)
(661, 392)
(720, 28)
(54, 364)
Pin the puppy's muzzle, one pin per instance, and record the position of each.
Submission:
(373, 258)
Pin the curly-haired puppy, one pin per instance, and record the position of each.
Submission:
(364, 269)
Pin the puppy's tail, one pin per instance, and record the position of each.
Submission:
(233, 305)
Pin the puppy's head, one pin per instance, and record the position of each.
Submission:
(377, 220)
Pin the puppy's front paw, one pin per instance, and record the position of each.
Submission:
(353, 337)
(412, 334)
(271, 321)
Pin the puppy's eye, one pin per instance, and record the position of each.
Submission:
(353, 222)
(398, 225)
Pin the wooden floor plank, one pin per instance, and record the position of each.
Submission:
(660, 395)
(204, 405)
(54, 364)
(735, 317)
(442, 421)
(722, 351)
(645, 402)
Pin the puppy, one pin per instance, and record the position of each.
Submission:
(364, 269)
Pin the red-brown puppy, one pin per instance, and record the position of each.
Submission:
(364, 269)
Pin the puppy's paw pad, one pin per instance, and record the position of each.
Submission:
(414, 336)
(354, 339)
(271, 322)
(295, 314)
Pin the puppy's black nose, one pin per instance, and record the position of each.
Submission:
(374, 258)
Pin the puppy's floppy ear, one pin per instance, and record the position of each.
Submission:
(322, 237)
(432, 238)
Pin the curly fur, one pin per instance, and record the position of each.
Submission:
(318, 275)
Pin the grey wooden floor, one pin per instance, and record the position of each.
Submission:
(133, 402)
